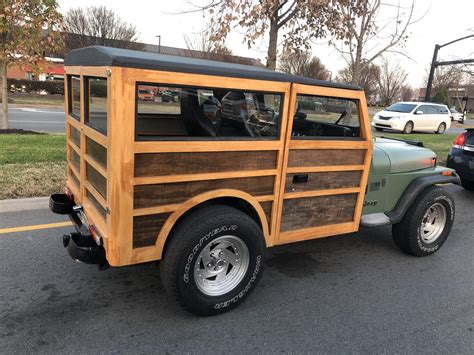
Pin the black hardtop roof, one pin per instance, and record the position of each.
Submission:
(108, 56)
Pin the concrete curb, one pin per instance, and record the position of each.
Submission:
(24, 204)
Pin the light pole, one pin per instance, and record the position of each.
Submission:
(159, 43)
(435, 64)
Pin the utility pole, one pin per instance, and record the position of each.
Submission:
(435, 64)
(159, 43)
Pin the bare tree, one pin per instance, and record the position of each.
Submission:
(369, 79)
(407, 93)
(371, 35)
(303, 63)
(392, 79)
(300, 21)
(97, 25)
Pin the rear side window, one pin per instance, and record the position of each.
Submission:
(443, 110)
(185, 112)
(321, 116)
(74, 97)
(428, 109)
(96, 103)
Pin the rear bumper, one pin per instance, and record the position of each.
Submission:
(81, 245)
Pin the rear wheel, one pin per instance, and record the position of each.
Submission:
(214, 260)
(408, 127)
(426, 224)
(441, 128)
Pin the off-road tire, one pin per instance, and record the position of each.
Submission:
(409, 126)
(190, 238)
(468, 185)
(441, 128)
(407, 233)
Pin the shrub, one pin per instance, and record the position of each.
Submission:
(52, 87)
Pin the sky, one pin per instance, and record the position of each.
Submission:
(441, 21)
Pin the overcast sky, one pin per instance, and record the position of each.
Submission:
(444, 21)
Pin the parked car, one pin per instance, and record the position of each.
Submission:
(456, 115)
(208, 202)
(145, 95)
(461, 158)
(413, 116)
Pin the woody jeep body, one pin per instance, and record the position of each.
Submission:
(226, 161)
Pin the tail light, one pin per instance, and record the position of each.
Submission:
(459, 141)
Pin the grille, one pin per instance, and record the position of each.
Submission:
(384, 117)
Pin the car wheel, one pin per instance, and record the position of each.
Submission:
(408, 127)
(214, 260)
(426, 224)
(441, 128)
(468, 185)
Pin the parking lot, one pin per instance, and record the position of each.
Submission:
(348, 294)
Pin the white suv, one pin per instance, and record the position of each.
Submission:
(413, 116)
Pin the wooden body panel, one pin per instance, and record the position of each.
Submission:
(150, 185)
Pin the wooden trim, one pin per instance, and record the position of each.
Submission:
(92, 162)
(328, 144)
(303, 89)
(149, 180)
(74, 146)
(156, 210)
(95, 217)
(201, 80)
(303, 194)
(87, 70)
(73, 169)
(75, 191)
(318, 169)
(96, 194)
(73, 122)
(204, 146)
(95, 135)
(317, 232)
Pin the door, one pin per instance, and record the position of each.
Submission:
(327, 158)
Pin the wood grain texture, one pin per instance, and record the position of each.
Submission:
(97, 152)
(267, 209)
(317, 211)
(324, 157)
(166, 194)
(101, 210)
(160, 164)
(96, 180)
(323, 181)
(147, 228)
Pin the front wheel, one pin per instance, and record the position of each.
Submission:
(408, 127)
(426, 224)
(441, 128)
(214, 260)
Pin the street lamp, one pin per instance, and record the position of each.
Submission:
(435, 64)
(159, 43)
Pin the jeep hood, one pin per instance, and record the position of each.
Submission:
(403, 157)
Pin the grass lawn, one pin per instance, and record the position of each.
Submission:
(439, 143)
(32, 164)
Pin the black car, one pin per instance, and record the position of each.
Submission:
(461, 158)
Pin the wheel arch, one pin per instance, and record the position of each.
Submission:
(234, 198)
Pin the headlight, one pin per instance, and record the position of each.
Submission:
(395, 118)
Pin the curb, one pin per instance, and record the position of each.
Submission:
(24, 204)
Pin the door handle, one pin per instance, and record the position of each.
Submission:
(300, 179)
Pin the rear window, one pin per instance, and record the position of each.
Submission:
(199, 112)
(96, 103)
(399, 107)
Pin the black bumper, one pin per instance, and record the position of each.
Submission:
(462, 162)
(80, 245)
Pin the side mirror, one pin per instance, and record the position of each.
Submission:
(418, 112)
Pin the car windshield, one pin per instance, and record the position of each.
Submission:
(399, 107)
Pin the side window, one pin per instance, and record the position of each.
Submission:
(96, 103)
(443, 110)
(321, 116)
(180, 112)
(423, 108)
(74, 96)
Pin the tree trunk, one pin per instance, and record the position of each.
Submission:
(4, 91)
(272, 45)
(357, 69)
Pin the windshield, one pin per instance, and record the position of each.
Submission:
(405, 108)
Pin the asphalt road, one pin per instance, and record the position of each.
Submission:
(348, 294)
(53, 120)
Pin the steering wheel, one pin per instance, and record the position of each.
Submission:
(343, 115)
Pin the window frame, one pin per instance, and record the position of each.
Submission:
(279, 135)
(87, 121)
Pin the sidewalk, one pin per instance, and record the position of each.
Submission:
(24, 204)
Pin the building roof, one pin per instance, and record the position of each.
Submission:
(108, 56)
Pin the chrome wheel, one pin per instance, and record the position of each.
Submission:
(433, 223)
(408, 128)
(221, 265)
